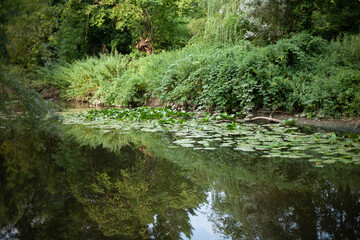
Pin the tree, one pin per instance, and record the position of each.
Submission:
(334, 17)
(152, 23)
(225, 22)
(84, 28)
(92, 26)
(273, 19)
(27, 27)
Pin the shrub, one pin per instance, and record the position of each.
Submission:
(345, 51)
(297, 74)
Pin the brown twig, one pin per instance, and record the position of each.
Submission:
(272, 112)
(357, 124)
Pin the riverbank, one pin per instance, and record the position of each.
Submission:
(303, 74)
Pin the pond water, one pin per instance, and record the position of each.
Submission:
(89, 182)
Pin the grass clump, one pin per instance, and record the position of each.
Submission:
(96, 80)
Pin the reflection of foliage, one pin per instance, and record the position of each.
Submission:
(27, 178)
(265, 198)
(34, 201)
(139, 189)
(209, 133)
(131, 190)
(311, 203)
(132, 186)
(139, 114)
(120, 207)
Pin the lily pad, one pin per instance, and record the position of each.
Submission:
(329, 161)
(187, 145)
(244, 149)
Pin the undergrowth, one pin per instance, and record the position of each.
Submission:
(301, 74)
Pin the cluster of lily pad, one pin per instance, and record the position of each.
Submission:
(163, 115)
(267, 140)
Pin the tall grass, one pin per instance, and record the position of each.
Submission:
(92, 79)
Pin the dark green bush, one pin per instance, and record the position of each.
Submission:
(297, 74)
(241, 77)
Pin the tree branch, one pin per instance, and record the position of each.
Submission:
(270, 119)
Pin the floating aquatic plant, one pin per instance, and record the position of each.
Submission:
(164, 115)
(208, 133)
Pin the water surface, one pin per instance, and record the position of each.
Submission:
(87, 183)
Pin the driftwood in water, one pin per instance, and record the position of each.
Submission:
(270, 119)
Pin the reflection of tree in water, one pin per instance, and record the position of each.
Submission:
(269, 198)
(307, 203)
(34, 203)
(33, 199)
(91, 191)
(132, 194)
(134, 187)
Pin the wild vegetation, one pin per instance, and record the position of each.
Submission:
(300, 74)
(132, 171)
(229, 55)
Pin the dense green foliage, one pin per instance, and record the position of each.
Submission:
(301, 74)
(86, 51)
(41, 31)
(22, 108)
(265, 21)
(87, 79)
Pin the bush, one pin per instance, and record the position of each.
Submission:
(241, 77)
(345, 51)
(297, 74)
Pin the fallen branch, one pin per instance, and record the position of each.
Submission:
(270, 119)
